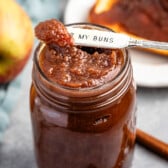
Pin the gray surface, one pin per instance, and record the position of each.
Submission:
(16, 151)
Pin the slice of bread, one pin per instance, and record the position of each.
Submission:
(142, 19)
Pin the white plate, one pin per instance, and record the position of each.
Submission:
(149, 70)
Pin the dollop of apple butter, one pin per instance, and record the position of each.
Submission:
(53, 32)
(75, 66)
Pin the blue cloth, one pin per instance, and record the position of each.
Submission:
(40, 10)
(8, 100)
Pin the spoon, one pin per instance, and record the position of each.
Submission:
(108, 39)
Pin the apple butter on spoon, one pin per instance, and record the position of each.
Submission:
(53, 32)
(91, 38)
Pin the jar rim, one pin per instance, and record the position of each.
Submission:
(41, 45)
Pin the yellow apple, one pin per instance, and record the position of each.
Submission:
(16, 39)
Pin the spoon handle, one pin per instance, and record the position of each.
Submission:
(148, 44)
(108, 39)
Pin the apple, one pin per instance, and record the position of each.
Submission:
(16, 39)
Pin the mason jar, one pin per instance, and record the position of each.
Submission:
(92, 127)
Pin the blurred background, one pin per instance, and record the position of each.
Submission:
(40, 10)
(16, 146)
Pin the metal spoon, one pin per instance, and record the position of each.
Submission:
(108, 39)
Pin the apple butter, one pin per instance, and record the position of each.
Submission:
(82, 102)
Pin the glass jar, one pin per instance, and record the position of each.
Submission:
(83, 128)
